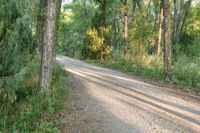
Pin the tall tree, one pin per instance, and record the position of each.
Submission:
(167, 36)
(49, 40)
(159, 35)
(102, 25)
(125, 10)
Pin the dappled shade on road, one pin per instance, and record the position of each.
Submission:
(136, 102)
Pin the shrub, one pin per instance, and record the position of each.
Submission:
(186, 71)
(16, 40)
(98, 42)
(25, 110)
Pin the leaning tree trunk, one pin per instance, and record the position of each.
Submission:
(167, 37)
(159, 36)
(49, 40)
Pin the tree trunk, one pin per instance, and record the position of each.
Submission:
(167, 37)
(125, 27)
(175, 20)
(183, 12)
(102, 58)
(41, 17)
(179, 18)
(116, 32)
(49, 40)
(159, 36)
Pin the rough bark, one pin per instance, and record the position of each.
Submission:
(159, 36)
(125, 33)
(167, 37)
(125, 4)
(41, 17)
(49, 40)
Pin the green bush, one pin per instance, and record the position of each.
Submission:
(17, 50)
(186, 71)
(16, 39)
(31, 111)
(97, 43)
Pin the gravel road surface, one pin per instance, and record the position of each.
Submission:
(109, 101)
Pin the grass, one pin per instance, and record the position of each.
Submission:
(34, 112)
(181, 75)
(130, 68)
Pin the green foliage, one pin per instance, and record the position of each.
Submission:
(17, 50)
(22, 107)
(142, 40)
(153, 68)
(82, 36)
(16, 40)
(186, 71)
(97, 41)
(190, 37)
(193, 48)
(186, 65)
(75, 20)
(34, 112)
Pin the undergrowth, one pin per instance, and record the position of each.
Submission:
(152, 69)
(31, 111)
(185, 71)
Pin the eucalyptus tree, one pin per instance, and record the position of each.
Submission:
(167, 37)
(125, 11)
(159, 33)
(49, 41)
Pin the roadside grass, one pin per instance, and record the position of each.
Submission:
(32, 111)
(130, 68)
(181, 75)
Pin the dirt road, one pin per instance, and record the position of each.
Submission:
(112, 102)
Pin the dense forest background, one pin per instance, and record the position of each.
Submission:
(154, 38)
(129, 35)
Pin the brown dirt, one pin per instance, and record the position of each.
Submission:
(106, 101)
